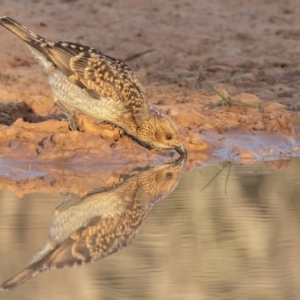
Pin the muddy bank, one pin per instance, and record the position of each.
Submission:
(206, 122)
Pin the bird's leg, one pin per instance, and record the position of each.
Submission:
(121, 131)
(61, 206)
(70, 118)
(106, 122)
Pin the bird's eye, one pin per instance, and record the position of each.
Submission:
(168, 136)
(169, 175)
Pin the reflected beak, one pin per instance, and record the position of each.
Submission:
(181, 150)
(181, 160)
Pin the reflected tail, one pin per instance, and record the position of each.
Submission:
(23, 276)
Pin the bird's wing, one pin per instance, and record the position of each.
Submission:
(99, 75)
(99, 238)
(109, 77)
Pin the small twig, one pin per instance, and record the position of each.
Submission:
(137, 55)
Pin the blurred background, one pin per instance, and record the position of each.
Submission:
(252, 45)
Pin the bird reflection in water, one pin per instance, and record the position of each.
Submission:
(101, 223)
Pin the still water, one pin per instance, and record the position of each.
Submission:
(219, 232)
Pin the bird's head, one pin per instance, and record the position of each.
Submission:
(161, 133)
(160, 181)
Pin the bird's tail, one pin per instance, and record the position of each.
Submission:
(24, 275)
(37, 44)
(21, 31)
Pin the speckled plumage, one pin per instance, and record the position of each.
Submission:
(100, 86)
(101, 223)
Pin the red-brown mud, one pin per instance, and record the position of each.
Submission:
(248, 51)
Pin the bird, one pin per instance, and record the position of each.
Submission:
(99, 86)
(101, 223)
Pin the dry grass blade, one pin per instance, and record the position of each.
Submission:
(193, 83)
(224, 166)
(227, 178)
(228, 100)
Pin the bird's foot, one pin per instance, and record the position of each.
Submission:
(73, 124)
(58, 209)
(107, 122)
(121, 131)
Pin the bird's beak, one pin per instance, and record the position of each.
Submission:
(181, 150)
(181, 160)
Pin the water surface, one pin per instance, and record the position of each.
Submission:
(225, 232)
